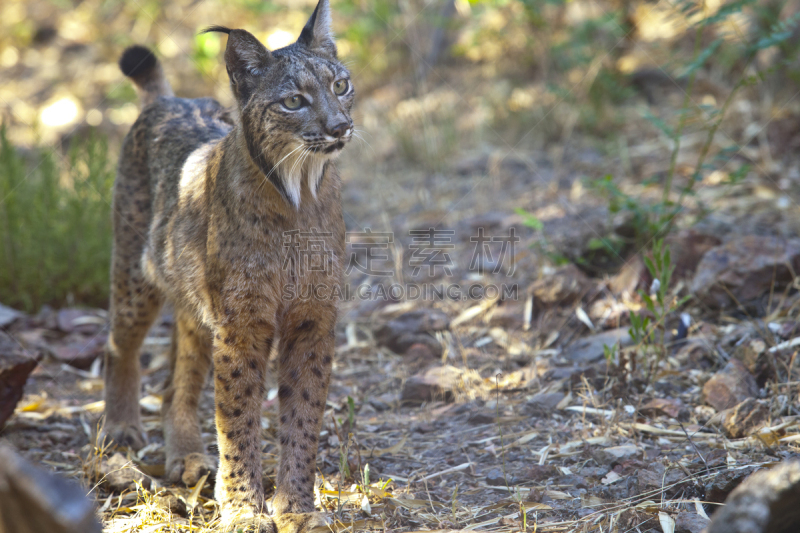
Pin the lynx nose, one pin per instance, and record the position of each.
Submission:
(339, 130)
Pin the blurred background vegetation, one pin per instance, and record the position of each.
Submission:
(662, 95)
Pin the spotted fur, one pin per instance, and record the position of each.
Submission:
(203, 203)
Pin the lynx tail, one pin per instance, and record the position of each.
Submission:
(141, 65)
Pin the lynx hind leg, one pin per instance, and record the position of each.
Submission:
(134, 306)
(190, 359)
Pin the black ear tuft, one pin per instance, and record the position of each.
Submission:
(137, 61)
(219, 29)
(317, 35)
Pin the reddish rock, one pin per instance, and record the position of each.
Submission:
(744, 269)
(730, 386)
(420, 353)
(663, 406)
(539, 473)
(79, 351)
(438, 384)
(15, 367)
(417, 326)
(687, 248)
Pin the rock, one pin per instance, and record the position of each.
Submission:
(730, 386)
(400, 333)
(438, 384)
(723, 483)
(379, 405)
(596, 472)
(481, 417)
(744, 269)
(34, 500)
(767, 502)
(79, 320)
(496, 478)
(8, 315)
(420, 353)
(589, 349)
(573, 481)
(119, 473)
(615, 454)
(687, 248)
(509, 315)
(565, 286)
(78, 350)
(15, 367)
(764, 369)
(175, 505)
(543, 403)
(627, 280)
(690, 523)
(657, 477)
(539, 473)
(664, 406)
(745, 418)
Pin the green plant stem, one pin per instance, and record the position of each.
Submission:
(711, 134)
(682, 123)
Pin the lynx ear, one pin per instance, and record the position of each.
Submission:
(317, 35)
(245, 58)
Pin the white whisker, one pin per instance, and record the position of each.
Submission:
(358, 136)
(297, 160)
(275, 167)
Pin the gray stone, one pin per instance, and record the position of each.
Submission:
(615, 454)
(34, 500)
(766, 502)
(8, 315)
(690, 523)
(589, 349)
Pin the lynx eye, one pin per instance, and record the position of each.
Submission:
(293, 102)
(340, 87)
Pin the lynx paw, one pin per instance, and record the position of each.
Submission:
(190, 468)
(122, 435)
(299, 522)
(254, 524)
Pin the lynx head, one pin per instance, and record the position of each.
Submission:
(294, 103)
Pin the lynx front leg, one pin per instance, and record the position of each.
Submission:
(240, 361)
(305, 369)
